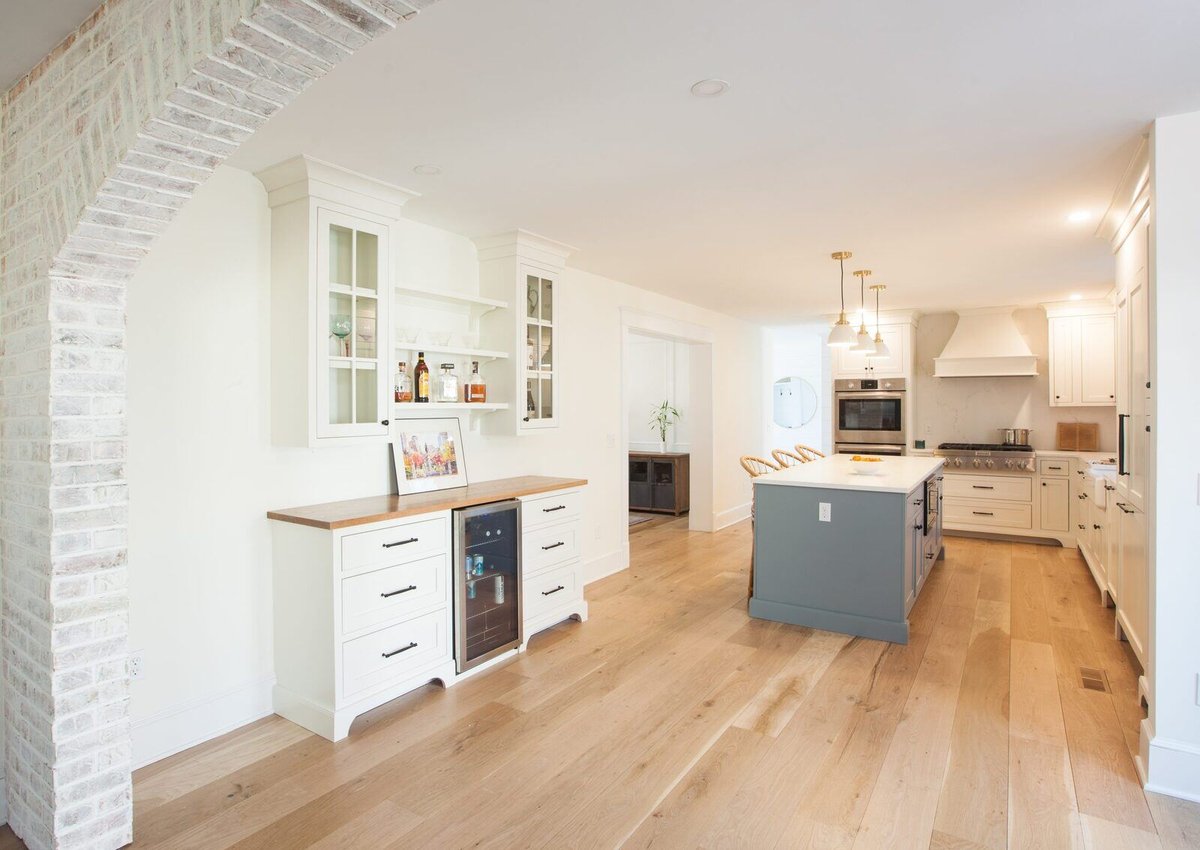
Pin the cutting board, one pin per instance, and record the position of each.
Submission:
(1078, 437)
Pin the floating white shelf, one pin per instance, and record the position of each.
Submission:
(477, 303)
(475, 407)
(481, 354)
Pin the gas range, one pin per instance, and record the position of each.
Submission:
(986, 457)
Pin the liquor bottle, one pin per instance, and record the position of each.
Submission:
(421, 379)
(403, 384)
(447, 384)
(476, 391)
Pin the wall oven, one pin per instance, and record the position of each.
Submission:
(867, 449)
(869, 411)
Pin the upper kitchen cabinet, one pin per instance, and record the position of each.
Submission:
(897, 334)
(1083, 350)
(330, 298)
(525, 270)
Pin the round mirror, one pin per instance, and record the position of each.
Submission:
(795, 402)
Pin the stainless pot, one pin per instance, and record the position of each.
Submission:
(1015, 436)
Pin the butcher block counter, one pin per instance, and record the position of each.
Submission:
(335, 515)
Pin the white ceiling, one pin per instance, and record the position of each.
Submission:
(943, 142)
(29, 29)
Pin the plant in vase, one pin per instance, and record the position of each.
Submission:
(662, 418)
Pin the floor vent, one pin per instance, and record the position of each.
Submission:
(1093, 679)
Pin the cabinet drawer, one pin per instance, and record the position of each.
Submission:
(1001, 487)
(1052, 468)
(553, 508)
(551, 589)
(396, 544)
(546, 547)
(981, 512)
(393, 592)
(395, 652)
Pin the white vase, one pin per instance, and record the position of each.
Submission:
(662, 446)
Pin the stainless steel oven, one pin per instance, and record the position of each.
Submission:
(867, 449)
(869, 411)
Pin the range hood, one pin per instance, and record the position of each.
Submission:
(985, 344)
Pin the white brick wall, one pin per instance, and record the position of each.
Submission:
(100, 145)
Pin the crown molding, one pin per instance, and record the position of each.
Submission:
(1130, 198)
(523, 244)
(304, 176)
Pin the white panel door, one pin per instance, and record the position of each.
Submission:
(1063, 353)
(1055, 504)
(1133, 596)
(1098, 371)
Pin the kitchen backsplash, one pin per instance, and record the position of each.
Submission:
(972, 409)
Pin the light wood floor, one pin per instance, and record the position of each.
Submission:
(671, 719)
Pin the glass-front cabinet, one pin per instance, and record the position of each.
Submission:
(541, 384)
(352, 359)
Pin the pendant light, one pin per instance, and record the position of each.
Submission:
(881, 349)
(842, 335)
(863, 342)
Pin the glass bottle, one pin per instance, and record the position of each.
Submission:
(403, 385)
(421, 379)
(476, 391)
(447, 386)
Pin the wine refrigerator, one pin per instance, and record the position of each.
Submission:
(487, 590)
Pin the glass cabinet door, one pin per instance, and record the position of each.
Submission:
(541, 376)
(351, 370)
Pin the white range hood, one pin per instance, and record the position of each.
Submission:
(985, 344)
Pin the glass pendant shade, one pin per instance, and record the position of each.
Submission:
(842, 335)
(881, 349)
(863, 341)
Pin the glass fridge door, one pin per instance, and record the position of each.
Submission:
(488, 590)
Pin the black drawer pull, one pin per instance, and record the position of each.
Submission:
(400, 542)
(1055, 468)
(918, 527)
(556, 590)
(398, 592)
(1125, 508)
(1109, 487)
(983, 513)
(553, 546)
(983, 487)
(552, 510)
(412, 645)
(1082, 527)
(1095, 526)
(929, 556)
(1083, 495)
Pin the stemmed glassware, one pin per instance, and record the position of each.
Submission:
(339, 326)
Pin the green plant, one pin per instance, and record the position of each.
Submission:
(663, 417)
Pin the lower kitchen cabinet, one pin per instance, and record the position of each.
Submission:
(1055, 508)
(1133, 579)
(364, 611)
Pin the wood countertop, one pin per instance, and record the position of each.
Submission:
(334, 515)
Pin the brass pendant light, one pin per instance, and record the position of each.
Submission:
(842, 335)
(862, 341)
(881, 349)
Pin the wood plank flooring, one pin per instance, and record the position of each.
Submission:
(672, 719)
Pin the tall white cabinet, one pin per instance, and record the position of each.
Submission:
(330, 303)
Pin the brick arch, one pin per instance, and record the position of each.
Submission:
(102, 144)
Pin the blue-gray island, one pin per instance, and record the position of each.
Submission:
(844, 545)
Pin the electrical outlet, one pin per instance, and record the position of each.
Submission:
(137, 664)
(825, 512)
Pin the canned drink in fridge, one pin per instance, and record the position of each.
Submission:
(479, 565)
(499, 590)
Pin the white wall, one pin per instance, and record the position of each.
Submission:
(1173, 512)
(658, 371)
(799, 352)
(971, 409)
(203, 473)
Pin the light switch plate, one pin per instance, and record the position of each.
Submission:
(825, 512)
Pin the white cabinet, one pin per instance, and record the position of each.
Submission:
(1082, 359)
(331, 270)
(1133, 580)
(524, 270)
(551, 568)
(855, 364)
(1055, 505)
(1133, 388)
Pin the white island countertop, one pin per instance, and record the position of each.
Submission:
(838, 472)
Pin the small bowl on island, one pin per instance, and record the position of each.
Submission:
(866, 464)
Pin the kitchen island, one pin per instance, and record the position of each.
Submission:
(846, 546)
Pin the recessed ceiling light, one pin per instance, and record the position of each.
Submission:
(1075, 296)
(709, 88)
(1079, 216)
(427, 170)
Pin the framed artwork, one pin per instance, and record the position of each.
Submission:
(428, 455)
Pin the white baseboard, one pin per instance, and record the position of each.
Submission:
(595, 569)
(726, 518)
(1174, 769)
(198, 720)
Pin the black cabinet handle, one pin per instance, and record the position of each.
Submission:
(412, 645)
(392, 593)
(1109, 487)
(1082, 527)
(400, 542)
(1043, 483)
(1082, 496)
(1125, 508)
(385, 422)
(1095, 526)
(556, 590)
(983, 513)
(554, 546)
(1055, 468)
(1121, 470)
(929, 556)
(525, 419)
(983, 487)
(918, 527)
(555, 508)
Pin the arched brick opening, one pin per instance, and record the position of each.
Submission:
(102, 143)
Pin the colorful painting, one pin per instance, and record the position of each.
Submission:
(428, 455)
